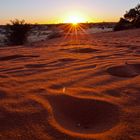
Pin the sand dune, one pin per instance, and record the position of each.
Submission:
(67, 89)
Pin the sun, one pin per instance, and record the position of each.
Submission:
(75, 19)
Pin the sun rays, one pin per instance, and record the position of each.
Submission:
(74, 27)
(74, 33)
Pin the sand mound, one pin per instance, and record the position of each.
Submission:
(84, 50)
(128, 70)
(84, 115)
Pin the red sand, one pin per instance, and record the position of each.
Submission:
(67, 89)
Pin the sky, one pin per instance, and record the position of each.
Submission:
(59, 11)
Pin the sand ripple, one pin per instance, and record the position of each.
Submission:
(13, 57)
(51, 91)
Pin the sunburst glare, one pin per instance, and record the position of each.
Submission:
(75, 18)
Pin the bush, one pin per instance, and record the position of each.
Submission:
(54, 34)
(123, 24)
(17, 32)
(137, 22)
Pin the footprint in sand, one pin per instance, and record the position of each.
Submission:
(126, 71)
(10, 69)
(22, 114)
(84, 116)
(3, 76)
(14, 57)
(84, 50)
(62, 62)
(86, 67)
(3, 94)
(35, 65)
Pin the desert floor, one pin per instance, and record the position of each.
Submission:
(73, 88)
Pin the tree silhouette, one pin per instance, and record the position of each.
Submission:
(131, 19)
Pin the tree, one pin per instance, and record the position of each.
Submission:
(131, 19)
(133, 14)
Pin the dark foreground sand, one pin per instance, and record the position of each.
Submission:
(72, 89)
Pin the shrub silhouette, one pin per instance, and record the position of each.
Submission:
(54, 34)
(137, 22)
(17, 32)
(131, 19)
(122, 25)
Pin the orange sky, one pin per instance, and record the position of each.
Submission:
(59, 11)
